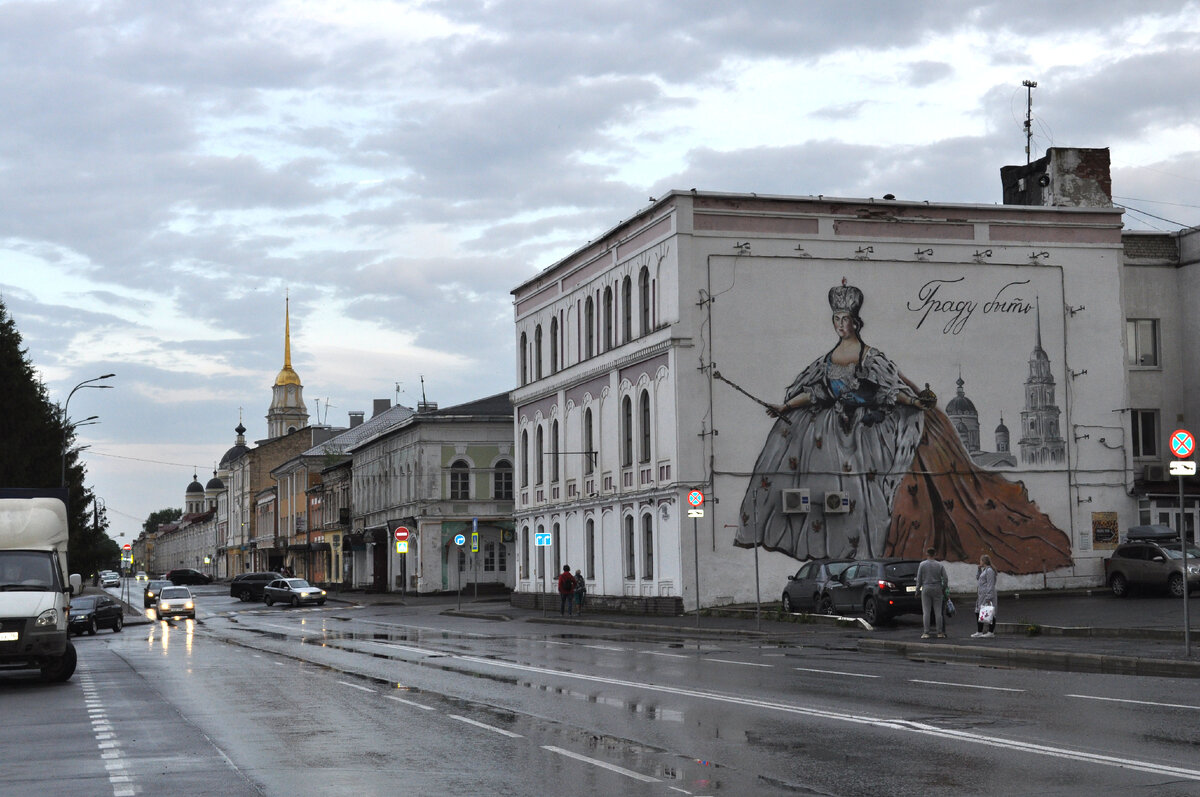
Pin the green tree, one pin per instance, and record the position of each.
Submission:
(160, 517)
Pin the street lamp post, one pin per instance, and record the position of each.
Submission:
(66, 423)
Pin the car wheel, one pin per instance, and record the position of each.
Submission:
(60, 669)
(92, 626)
(871, 611)
(118, 624)
(267, 600)
(245, 596)
(1175, 585)
(1119, 585)
(295, 601)
(787, 603)
(825, 605)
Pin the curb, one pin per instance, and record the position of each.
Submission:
(475, 615)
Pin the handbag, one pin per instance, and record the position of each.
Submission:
(949, 608)
(987, 613)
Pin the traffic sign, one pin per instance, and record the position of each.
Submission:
(543, 539)
(401, 534)
(474, 542)
(401, 547)
(695, 498)
(1183, 467)
(127, 547)
(1182, 443)
(460, 539)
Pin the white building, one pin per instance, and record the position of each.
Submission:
(645, 356)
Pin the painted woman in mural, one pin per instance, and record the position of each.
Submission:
(852, 423)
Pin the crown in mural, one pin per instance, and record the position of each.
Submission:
(845, 297)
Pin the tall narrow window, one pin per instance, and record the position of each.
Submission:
(608, 318)
(539, 455)
(556, 557)
(1141, 342)
(460, 481)
(626, 309)
(541, 554)
(502, 481)
(644, 301)
(524, 457)
(554, 451)
(630, 549)
(589, 326)
(554, 345)
(590, 535)
(537, 352)
(1145, 432)
(524, 359)
(626, 432)
(644, 453)
(489, 557)
(647, 546)
(525, 552)
(589, 458)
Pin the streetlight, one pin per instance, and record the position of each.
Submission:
(65, 422)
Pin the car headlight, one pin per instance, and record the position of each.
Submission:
(322, 593)
(48, 617)
(1194, 570)
(189, 605)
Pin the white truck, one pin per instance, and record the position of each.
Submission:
(34, 592)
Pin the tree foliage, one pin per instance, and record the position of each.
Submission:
(160, 517)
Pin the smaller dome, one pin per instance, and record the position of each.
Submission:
(214, 483)
(195, 486)
(287, 377)
(960, 404)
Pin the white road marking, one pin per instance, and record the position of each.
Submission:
(484, 725)
(743, 663)
(356, 686)
(970, 737)
(629, 773)
(672, 655)
(604, 647)
(965, 686)
(835, 672)
(409, 703)
(1137, 702)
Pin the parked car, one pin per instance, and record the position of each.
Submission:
(109, 578)
(803, 590)
(879, 588)
(151, 590)
(92, 612)
(294, 591)
(1151, 557)
(249, 586)
(174, 602)
(185, 575)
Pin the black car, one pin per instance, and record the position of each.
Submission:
(185, 575)
(879, 588)
(151, 590)
(803, 590)
(92, 612)
(1152, 557)
(249, 586)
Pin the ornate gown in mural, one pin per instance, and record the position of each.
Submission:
(910, 483)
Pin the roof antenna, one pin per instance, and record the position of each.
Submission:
(423, 401)
(1029, 85)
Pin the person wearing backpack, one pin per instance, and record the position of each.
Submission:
(580, 590)
(566, 592)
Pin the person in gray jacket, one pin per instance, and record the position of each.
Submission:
(985, 594)
(931, 581)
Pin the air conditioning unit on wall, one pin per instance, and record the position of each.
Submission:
(1154, 472)
(795, 500)
(836, 503)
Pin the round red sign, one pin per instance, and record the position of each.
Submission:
(402, 534)
(1182, 443)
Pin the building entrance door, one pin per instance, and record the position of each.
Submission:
(379, 580)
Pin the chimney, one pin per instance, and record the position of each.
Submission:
(356, 418)
(1067, 177)
(381, 405)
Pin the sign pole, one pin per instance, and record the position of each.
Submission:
(757, 589)
(1183, 541)
(696, 549)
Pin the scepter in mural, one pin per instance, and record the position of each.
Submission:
(740, 389)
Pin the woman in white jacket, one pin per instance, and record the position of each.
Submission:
(985, 594)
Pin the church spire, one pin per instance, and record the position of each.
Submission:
(287, 412)
(287, 332)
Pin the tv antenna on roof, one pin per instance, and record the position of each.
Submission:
(1029, 85)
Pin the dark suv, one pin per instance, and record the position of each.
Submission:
(249, 586)
(1151, 557)
(186, 575)
(879, 588)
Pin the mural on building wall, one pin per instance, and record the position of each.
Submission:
(887, 472)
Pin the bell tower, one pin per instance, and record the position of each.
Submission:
(287, 412)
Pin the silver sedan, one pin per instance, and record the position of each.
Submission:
(294, 591)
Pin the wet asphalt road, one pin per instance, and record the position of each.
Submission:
(386, 699)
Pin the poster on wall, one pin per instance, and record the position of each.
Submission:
(1104, 531)
(876, 448)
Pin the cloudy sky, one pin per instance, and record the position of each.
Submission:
(171, 170)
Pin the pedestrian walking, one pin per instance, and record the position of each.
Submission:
(985, 598)
(566, 592)
(931, 581)
(580, 590)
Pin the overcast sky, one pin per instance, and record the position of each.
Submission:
(170, 170)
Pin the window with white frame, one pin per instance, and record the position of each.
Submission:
(554, 451)
(644, 301)
(554, 345)
(647, 546)
(1141, 342)
(502, 481)
(1145, 433)
(489, 557)
(644, 452)
(589, 328)
(626, 432)
(590, 545)
(537, 352)
(524, 457)
(626, 309)
(630, 549)
(525, 552)
(524, 359)
(539, 456)
(460, 481)
(608, 318)
(589, 459)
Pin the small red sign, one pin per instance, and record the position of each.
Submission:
(402, 534)
(695, 498)
(1182, 443)
(127, 547)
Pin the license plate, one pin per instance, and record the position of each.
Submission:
(10, 636)
(910, 589)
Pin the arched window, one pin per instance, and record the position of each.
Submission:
(524, 457)
(460, 481)
(647, 546)
(539, 456)
(554, 451)
(556, 555)
(541, 554)
(525, 552)
(644, 301)
(537, 352)
(626, 309)
(554, 345)
(608, 318)
(630, 549)
(590, 542)
(644, 453)
(626, 432)
(502, 481)
(589, 459)
(589, 326)
(524, 359)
